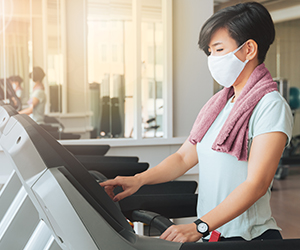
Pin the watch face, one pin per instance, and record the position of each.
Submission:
(202, 227)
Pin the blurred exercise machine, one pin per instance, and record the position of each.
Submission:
(8, 95)
(74, 207)
(291, 154)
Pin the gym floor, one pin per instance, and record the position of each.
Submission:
(285, 203)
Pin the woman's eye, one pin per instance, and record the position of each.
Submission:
(219, 50)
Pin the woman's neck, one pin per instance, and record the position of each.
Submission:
(38, 84)
(243, 78)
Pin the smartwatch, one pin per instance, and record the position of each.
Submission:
(202, 227)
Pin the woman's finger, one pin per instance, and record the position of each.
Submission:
(112, 182)
(167, 234)
(110, 191)
(122, 195)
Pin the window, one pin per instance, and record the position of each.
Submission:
(126, 65)
(106, 78)
(152, 77)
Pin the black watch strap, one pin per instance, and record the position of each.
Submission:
(202, 227)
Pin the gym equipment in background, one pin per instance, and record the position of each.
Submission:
(291, 154)
(294, 98)
(11, 97)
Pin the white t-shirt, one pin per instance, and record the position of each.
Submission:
(221, 173)
(38, 112)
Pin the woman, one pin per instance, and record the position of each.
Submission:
(37, 102)
(238, 136)
(16, 84)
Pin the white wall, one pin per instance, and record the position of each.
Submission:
(193, 84)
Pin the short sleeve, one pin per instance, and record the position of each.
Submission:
(272, 114)
(39, 94)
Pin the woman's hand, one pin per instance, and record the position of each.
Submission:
(182, 233)
(129, 184)
(29, 110)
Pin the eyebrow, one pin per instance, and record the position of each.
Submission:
(215, 44)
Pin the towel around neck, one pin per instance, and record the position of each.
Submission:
(233, 136)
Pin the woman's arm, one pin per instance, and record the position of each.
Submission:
(264, 157)
(169, 169)
(29, 110)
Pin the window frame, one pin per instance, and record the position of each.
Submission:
(167, 65)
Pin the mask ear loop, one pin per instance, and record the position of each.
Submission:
(238, 50)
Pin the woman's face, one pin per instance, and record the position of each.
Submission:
(221, 44)
(15, 84)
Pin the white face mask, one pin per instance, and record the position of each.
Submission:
(227, 68)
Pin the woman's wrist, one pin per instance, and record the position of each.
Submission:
(202, 227)
(140, 179)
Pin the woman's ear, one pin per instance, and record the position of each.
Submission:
(251, 49)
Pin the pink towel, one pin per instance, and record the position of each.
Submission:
(233, 136)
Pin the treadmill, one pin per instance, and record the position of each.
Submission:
(75, 207)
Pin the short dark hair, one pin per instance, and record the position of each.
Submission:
(37, 74)
(243, 21)
(15, 79)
